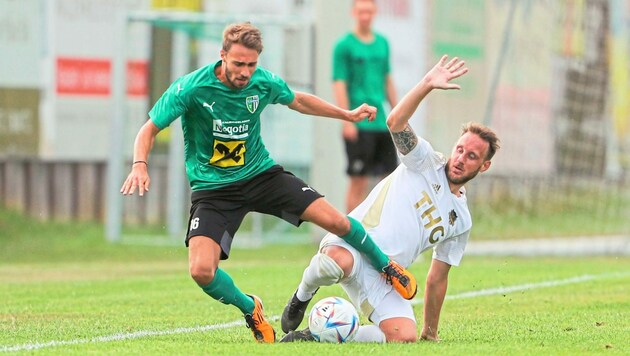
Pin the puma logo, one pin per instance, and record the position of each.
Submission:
(206, 105)
(307, 188)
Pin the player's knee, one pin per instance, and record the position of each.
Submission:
(402, 335)
(328, 268)
(399, 330)
(341, 256)
(201, 274)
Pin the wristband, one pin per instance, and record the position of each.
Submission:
(145, 162)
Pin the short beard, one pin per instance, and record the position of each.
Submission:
(463, 179)
(227, 77)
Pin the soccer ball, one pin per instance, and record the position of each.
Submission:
(333, 319)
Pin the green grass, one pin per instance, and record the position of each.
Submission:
(558, 212)
(62, 283)
(509, 225)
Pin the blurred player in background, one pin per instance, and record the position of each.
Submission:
(421, 205)
(230, 170)
(361, 74)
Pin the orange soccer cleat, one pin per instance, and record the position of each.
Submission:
(402, 280)
(262, 330)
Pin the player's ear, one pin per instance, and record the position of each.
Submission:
(485, 166)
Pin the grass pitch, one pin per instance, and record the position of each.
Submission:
(65, 291)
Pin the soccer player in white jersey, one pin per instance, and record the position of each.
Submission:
(421, 205)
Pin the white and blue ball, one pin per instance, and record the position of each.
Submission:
(333, 319)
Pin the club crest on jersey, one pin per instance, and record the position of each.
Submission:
(252, 103)
(452, 216)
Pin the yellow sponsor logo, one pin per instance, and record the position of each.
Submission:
(228, 153)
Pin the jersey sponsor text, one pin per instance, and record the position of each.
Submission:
(427, 215)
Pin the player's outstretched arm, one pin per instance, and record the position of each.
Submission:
(313, 105)
(139, 176)
(435, 291)
(438, 77)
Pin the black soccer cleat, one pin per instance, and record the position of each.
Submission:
(298, 335)
(293, 313)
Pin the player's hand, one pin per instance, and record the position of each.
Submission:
(362, 112)
(350, 132)
(429, 334)
(138, 178)
(443, 72)
(426, 337)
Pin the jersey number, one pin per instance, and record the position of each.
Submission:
(194, 224)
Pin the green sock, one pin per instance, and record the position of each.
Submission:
(223, 289)
(358, 238)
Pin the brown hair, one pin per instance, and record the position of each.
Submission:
(486, 134)
(245, 34)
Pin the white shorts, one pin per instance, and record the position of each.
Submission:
(367, 288)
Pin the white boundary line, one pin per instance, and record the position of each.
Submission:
(119, 337)
(150, 333)
(521, 287)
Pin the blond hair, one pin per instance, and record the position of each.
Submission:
(244, 34)
(486, 134)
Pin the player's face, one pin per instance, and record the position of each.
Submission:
(239, 63)
(467, 159)
(364, 12)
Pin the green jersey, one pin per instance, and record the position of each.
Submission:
(221, 126)
(364, 67)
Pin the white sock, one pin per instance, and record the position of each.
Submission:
(369, 333)
(322, 271)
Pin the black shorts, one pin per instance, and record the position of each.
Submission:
(218, 213)
(373, 154)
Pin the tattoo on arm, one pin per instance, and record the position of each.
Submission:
(405, 140)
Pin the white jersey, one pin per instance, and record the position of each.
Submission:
(407, 213)
(413, 210)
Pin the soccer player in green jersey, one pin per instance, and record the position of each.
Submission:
(361, 74)
(231, 173)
